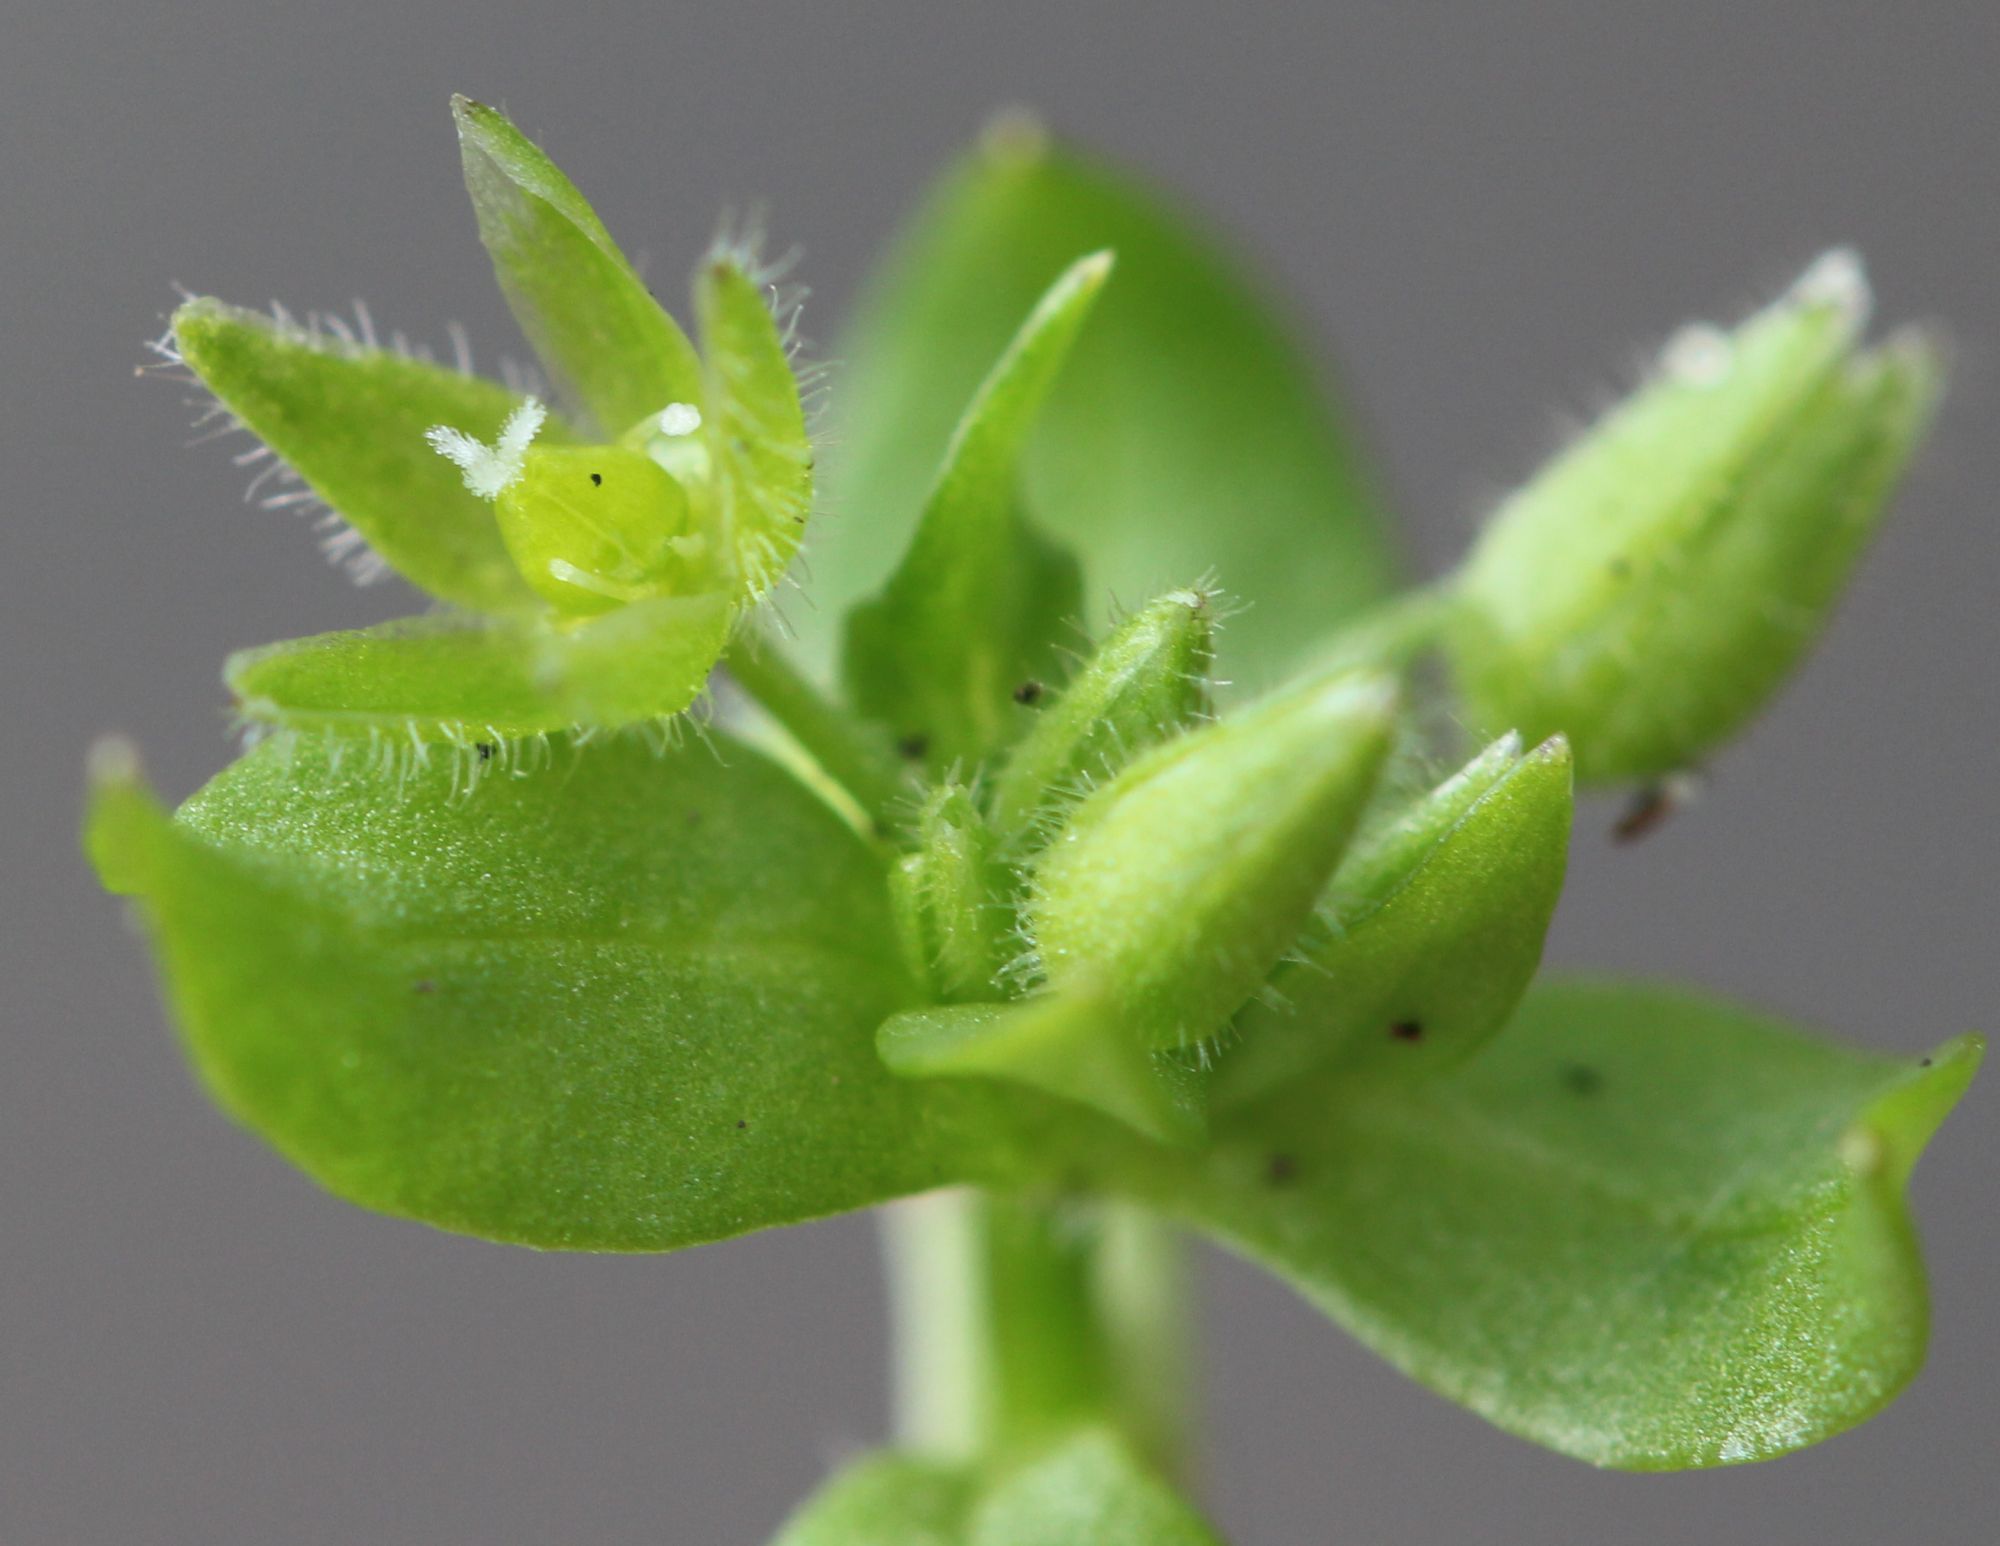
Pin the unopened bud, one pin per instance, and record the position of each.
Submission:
(1651, 588)
(1148, 680)
(1431, 932)
(1174, 889)
(951, 900)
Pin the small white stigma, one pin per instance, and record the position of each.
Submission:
(490, 469)
(679, 419)
(1836, 278)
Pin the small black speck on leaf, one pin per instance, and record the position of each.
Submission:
(597, 480)
(1407, 1030)
(485, 750)
(1029, 693)
(1923, 1062)
(1581, 1079)
(914, 746)
(741, 1125)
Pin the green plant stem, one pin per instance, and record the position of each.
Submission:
(834, 739)
(1394, 633)
(1017, 1317)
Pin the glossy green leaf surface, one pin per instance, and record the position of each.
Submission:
(624, 1003)
(350, 421)
(604, 338)
(981, 603)
(1642, 1227)
(463, 679)
(1086, 1491)
(1188, 435)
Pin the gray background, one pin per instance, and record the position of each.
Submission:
(1489, 208)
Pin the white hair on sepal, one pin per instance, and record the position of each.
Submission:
(488, 470)
(522, 379)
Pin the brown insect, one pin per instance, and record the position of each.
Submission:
(1653, 804)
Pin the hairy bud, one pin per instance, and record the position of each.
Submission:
(1173, 890)
(1651, 588)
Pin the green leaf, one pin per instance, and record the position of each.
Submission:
(886, 1500)
(465, 680)
(591, 319)
(1641, 1227)
(1189, 433)
(979, 604)
(626, 1003)
(350, 421)
(1071, 1046)
(1431, 932)
(1088, 1490)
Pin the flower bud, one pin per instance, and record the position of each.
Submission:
(951, 900)
(1146, 681)
(1651, 587)
(1431, 930)
(1173, 890)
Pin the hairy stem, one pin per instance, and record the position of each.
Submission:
(1392, 634)
(837, 741)
(1017, 1317)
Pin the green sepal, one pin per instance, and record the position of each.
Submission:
(760, 455)
(1431, 931)
(350, 420)
(979, 605)
(1189, 433)
(952, 897)
(1145, 682)
(1172, 891)
(463, 679)
(1641, 1227)
(624, 1003)
(605, 340)
(1653, 586)
(1088, 1489)
(1066, 1045)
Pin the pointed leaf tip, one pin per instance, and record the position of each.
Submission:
(582, 305)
